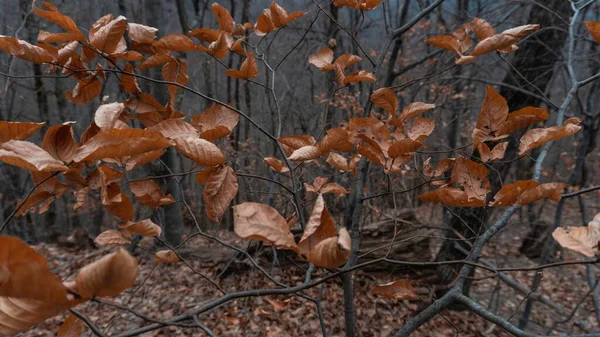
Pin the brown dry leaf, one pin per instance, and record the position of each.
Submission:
(248, 69)
(335, 139)
(594, 29)
(201, 151)
(176, 42)
(496, 153)
(108, 114)
(219, 48)
(59, 142)
(149, 193)
(399, 290)
(276, 164)
(371, 150)
(552, 191)
(322, 59)
(494, 112)
(447, 42)
(166, 256)
(108, 38)
(385, 98)
(85, 90)
(538, 137)
(18, 130)
(305, 153)
(71, 327)
(420, 128)
(175, 71)
(262, 222)
(174, 128)
(504, 41)
(472, 177)
(291, 143)
(140, 33)
(220, 190)
(320, 226)
(26, 51)
(118, 143)
(80, 197)
(53, 15)
(155, 60)
(216, 122)
(338, 161)
(108, 276)
(205, 34)
(403, 147)
(358, 76)
(451, 197)
(509, 194)
(30, 156)
(129, 82)
(223, 17)
(25, 274)
(238, 47)
(145, 227)
(414, 109)
(280, 16)
(482, 28)
(331, 252)
(522, 118)
(443, 166)
(111, 237)
(116, 202)
(581, 239)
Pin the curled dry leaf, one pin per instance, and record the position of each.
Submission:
(223, 17)
(85, 90)
(216, 122)
(129, 82)
(52, 14)
(166, 256)
(414, 109)
(451, 197)
(248, 69)
(59, 142)
(118, 143)
(494, 112)
(403, 146)
(262, 222)
(581, 239)
(175, 71)
(25, 274)
(552, 191)
(594, 29)
(538, 137)
(305, 153)
(26, 51)
(509, 194)
(276, 164)
(201, 151)
(108, 38)
(176, 42)
(108, 276)
(385, 98)
(496, 153)
(18, 130)
(107, 115)
(291, 143)
(71, 327)
(335, 139)
(322, 59)
(145, 227)
(338, 161)
(398, 290)
(505, 41)
(140, 33)
(220, 190)
(30, 156)
(331, 252)
(111, 237)
(320, 226)
(174, 128)
(150, 194)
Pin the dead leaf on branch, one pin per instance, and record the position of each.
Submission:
(583, 239)
(398, 290)
(258, 221)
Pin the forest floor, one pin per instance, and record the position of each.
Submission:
(165, 290)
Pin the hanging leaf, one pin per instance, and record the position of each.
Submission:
(108, 276)
(111, 237)
(414, 109)
(25, 274)
(496, 153)
(472, 177)
(386, 99)
(509, 194)
(335, 139)
(129, 82)
(18, 130)
(145, 227)
(166, 256)
(149, 193)
(175, 71)
(504, 41)
(523, 118)
(107, 38)
(537, 137)
(264, 223)
(118, 143)
(216, 122)
(28, 155)
(203, 152)
(322, 59)
(140, 33)
(399, 290)
(71, 327)
(221, 188)
(248, 69)
(26, 51)
(174, 128)
(552, 191)
(319, 227)
(305, 153)
(176, 42)
(494, 112)
(276, 164)
(53, 15)
(331, 252)
(107, 115)
(451, 197)
(85, 90)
